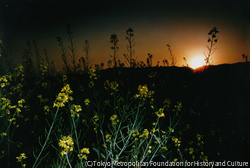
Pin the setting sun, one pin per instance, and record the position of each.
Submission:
(196, 62)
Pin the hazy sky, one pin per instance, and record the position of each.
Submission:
(183, 24)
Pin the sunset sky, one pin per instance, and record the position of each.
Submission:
(182, 24)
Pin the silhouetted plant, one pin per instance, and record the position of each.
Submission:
(131, 41)
(212, 40)
(184, 58)
(114, 41)
(244, 57)
(64, 57)
(27, 59)
(172, 57)
(52, 69)
(102, 66)
(149, 60)
(140, 64)
(72, 48)
(109, 63)
(86, 60)
(165, 62)
(6, 53)
(158, 62)
(38, 57)
(47, 60)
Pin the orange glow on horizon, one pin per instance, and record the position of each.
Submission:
(196, 62)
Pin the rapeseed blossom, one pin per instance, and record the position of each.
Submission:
(67, 143)
(114, 119)
(145, 134)
(86, 101)
(160, 113)
(63, 96)
(21, 157)
(83, 155)
(75, 109)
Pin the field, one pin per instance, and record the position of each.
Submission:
(144, 114)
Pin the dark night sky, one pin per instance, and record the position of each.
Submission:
(181, 23)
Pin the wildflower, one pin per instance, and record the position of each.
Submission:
(114, 86)
(171, 129)
(145, 133)
(108, 137)
(114, 119)
(20, 102)
(149, 150)
(164, 147)
(4, 134)
(135, 133)
(92, 74)
(46, 108)
(21, 157)
(67, 143)
(160, 113)
(95, 118)
(63, 96)
(86, 101)
(175, 160)
(143, 90)
(85, 151)
(191, 150)
(75, 109)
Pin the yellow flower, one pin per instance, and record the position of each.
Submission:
(4, 134)
(191, 150)
(145, 133)
(86, 101)
(63, 96)
(171, 129)
(114, 119)
(160, 113)
(67, 143)
(21, 157)
(85, 150)
(108, 137)
(165, 148)
(149, 150)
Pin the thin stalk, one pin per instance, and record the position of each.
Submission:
(47, 138)
(68, 160)
(74, 124)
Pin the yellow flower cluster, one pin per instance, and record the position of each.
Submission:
(83, 155)
(6, 106)
(75, 109)
(21, 157)
(67, 143)
(113, 85)
(63, 96)
(108, 137)
(3, 81)
(143, 92)
(176, 141)
(145, 134)
(114, 119)
(86, 101)
(160, 113)
(92, 74)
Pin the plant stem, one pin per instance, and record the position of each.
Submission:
(47, 138)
